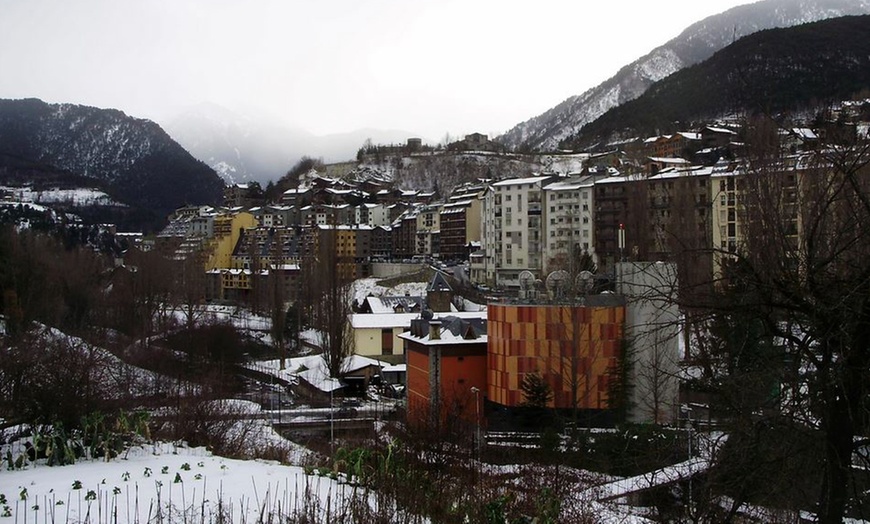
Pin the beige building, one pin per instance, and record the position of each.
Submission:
(513, 229)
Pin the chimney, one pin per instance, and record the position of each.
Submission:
(435, 330)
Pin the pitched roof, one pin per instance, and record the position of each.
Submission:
(439, 283)
(382, 305)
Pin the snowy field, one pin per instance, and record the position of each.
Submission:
(164, 483)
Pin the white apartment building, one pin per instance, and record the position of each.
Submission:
(513, 229)
(568, 221)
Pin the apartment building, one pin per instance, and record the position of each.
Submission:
(428, 230)
(513, 228)
(568, 221)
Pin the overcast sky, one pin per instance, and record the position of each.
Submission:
(328, 66)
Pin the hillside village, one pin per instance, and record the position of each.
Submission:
(492, 312)
(544, 240)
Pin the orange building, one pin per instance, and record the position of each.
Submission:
(573, 347)
(446, 370)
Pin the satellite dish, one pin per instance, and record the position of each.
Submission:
(585, 281)
(556, 283)
(527, 279)
(527, 283)
(427, 314)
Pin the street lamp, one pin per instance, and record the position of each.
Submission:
(476, 392)
(331, 419)
(687, 411)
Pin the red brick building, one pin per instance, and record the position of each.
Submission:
(446, 362)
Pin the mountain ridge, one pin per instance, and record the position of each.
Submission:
(135, 158)
(775, 71)
(694, 44)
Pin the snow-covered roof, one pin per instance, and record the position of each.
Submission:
(460, 203)
(389, 304)
(804, 133)
(518, 181)
(669, 160)
(720, 130)
(403, 320)
(313, 369)
(453, 331)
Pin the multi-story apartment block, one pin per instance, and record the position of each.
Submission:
(227, 229)
(263, 246)
(327, 214)
(382, 242)
(276, 216)
(513, 228)
(665, 217)
(738, 199)
(460, 228)
(461, 222)
(568, 221)
(350, 246)
(372, 214)
(404, 232)
(727, 230)
(428, 230)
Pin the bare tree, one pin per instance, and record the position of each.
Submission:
(189, 289)
(801, 275)
(328, 272)
(278, 310)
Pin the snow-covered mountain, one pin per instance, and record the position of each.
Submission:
(241, 149)
(697, 43)
(133, 158)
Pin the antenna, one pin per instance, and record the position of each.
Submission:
(621, 241)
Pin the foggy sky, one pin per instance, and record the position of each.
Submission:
(423, 66)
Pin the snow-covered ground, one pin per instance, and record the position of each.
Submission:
(77, 197)
(369, 286)
(164, 483)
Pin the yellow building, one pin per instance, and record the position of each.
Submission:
(227, 229)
